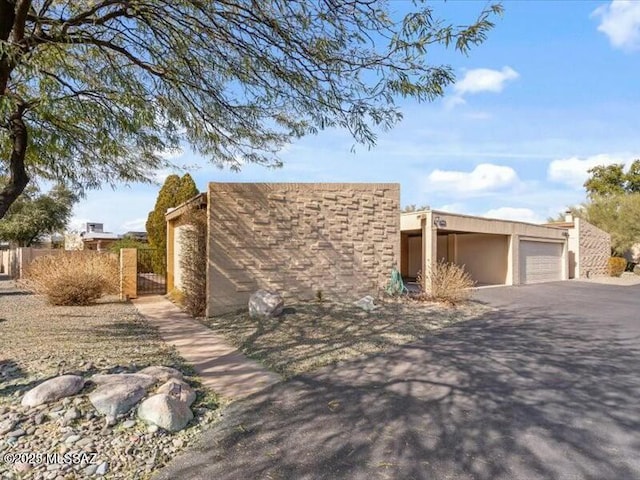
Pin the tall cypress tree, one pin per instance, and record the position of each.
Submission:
(174, 191)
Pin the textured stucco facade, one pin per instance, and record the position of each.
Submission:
(298, 239)
(594, 250)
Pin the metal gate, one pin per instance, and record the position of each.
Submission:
(152, 272)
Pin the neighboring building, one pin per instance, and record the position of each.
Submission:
(296, 238)
(589, 247)
(95, 238)
(73, 241)
(493, 252)
(139, 236)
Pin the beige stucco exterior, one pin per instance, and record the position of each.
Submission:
(128, 273)
(489, 248)
(298, 239)
(174, 228)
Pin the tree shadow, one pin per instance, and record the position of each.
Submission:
(524, 394)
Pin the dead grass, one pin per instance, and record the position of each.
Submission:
(311, 335)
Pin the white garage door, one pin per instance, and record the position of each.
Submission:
(540, 262)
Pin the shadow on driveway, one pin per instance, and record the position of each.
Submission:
(528, 392)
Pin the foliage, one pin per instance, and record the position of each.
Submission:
(74, 278)
(97, 92)
(35, 215)
(193, 261)
(447, 283)
(612, 180)
(126, 242)
(174, 191)
(617, 266)
(412, 208)
(618, 215)
(145, 264)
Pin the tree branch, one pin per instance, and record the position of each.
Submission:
(18, 178)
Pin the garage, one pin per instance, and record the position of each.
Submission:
(493, 251)
(540, 261)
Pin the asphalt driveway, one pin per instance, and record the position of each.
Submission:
(545, 387)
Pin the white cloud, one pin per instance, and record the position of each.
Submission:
(516, 214)
(485, 177)
(135, 225)
(574, 171)
(485, 80)
(620, 21)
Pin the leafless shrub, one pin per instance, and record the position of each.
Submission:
(73, 278)
(448, 282)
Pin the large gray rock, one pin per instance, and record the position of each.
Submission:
(118, 393)
(165, 411)
(178, 389)
(264, 304)
(140, 379)
(161, 373)
(52, 390)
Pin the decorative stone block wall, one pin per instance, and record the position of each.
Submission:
(298, 239)
(594, 250)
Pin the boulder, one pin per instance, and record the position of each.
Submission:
(117, 394)
(161, 373)
(264, 304)
(140, 379)
(52, 390)
(178, 389)
(165, 411)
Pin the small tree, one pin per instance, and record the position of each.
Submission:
(174, 191)
(612, 180)
(35, 215)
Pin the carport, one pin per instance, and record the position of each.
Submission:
(494, 252)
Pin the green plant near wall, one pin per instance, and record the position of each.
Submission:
(617, 266)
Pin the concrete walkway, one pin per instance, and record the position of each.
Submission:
(221, 367)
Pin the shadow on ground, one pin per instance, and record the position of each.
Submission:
(517, 394)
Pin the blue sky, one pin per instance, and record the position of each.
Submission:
(552, 92)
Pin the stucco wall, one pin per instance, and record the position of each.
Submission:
(342, 239)
(485, 257)
(594, 250)
(177, 255)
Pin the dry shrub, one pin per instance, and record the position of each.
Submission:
(450, 283)
(617, 266)
(74, 278)
(193, 262)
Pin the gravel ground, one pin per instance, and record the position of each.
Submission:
(311, 335)
(38, 341)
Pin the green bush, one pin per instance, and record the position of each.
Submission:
(617, 266)
(636, 269)
(74, 278)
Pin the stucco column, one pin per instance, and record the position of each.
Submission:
(128, 273)
(514, 260)
(171, 226)
(429, 248)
